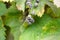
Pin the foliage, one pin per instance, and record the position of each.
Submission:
(29, 20)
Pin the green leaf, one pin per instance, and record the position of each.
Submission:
(12, 16)
(14, 23)
(2, 9)
(54, 9)
(13, 11)
(44, 28)
(13, 20)
(2, 30)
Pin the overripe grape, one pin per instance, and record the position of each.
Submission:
(36, 5)
(28, 2)
(37, 1)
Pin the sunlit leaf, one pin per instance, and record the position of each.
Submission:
(57, 2)
(20, 4)
(5, 0)
(39, 11)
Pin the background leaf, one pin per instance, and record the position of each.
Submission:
(45, 28)
(13, 20)
(2, 9)
(54, 9)
(2, 30)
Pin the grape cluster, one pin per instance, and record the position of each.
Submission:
(28, 2)
(29, 19)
